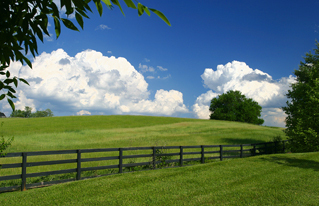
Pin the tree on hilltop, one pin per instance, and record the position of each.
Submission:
(302, 111)
(233, 106)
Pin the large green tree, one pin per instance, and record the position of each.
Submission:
(302, 110)
(234, 106)
(22, 22)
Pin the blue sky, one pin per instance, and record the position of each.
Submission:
(172, 71)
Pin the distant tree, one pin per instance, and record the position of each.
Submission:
(233, 106)
(27, 113)
(45, 113)
(302, 110)
(18, 113)
(23, 22)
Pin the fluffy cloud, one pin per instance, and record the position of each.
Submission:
(201, 106)
(90, 83)
(255, 84)
(83, 112)
(274, 117)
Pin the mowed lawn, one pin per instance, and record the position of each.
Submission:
(82, 132)
(281, 179)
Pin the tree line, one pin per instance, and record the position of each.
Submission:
(27, 113)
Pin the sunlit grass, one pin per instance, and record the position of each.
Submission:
(56, 133)
(62, 133)
(285, 179)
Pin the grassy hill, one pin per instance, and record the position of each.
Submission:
(282, 179)
(79, 132)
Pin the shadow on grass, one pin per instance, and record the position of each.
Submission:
(241, 141)
(294, 162)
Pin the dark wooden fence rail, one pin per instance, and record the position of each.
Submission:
(222, 152)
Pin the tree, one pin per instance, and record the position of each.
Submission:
(24, 20)
(45, 113)
(27, 113)
(4, 144)
(233, 106)
(302, 111)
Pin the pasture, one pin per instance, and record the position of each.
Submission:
(282, 179)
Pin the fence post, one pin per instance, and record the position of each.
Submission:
(202, 153)
(241, 151)
(78, 168)
(181, 156)
(265, 148)
(221, 152)
(24, 171)
(254, 153)
(154, 158)
(121, 161)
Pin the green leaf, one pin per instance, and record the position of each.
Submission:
(140, 9)
(68, 24)
(161, 15)
(11, 104)
(44, 25)
(117, 3)
(39, 33)
(99, 7)
(57, 26)
(8, 74)
(11, 95)
(12, 90)
(1, 85)
(107, 2)
(8, 81)
(15, 81)
(82, 13)
(24, 81)
(55, 10)
(129, 3)
(147, 11)
(27, 61)
(2, 97)
(79, 19)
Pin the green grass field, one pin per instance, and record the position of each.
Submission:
(82, 132)
(282, 179)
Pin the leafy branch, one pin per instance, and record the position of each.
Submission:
(24, 20)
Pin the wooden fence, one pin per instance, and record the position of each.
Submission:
(206, 152)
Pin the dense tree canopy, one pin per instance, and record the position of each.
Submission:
(23, 21)
(233, 106)
(302, 121)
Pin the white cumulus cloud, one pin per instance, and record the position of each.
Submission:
(83, 112)
(253, 83)
(91, 82)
